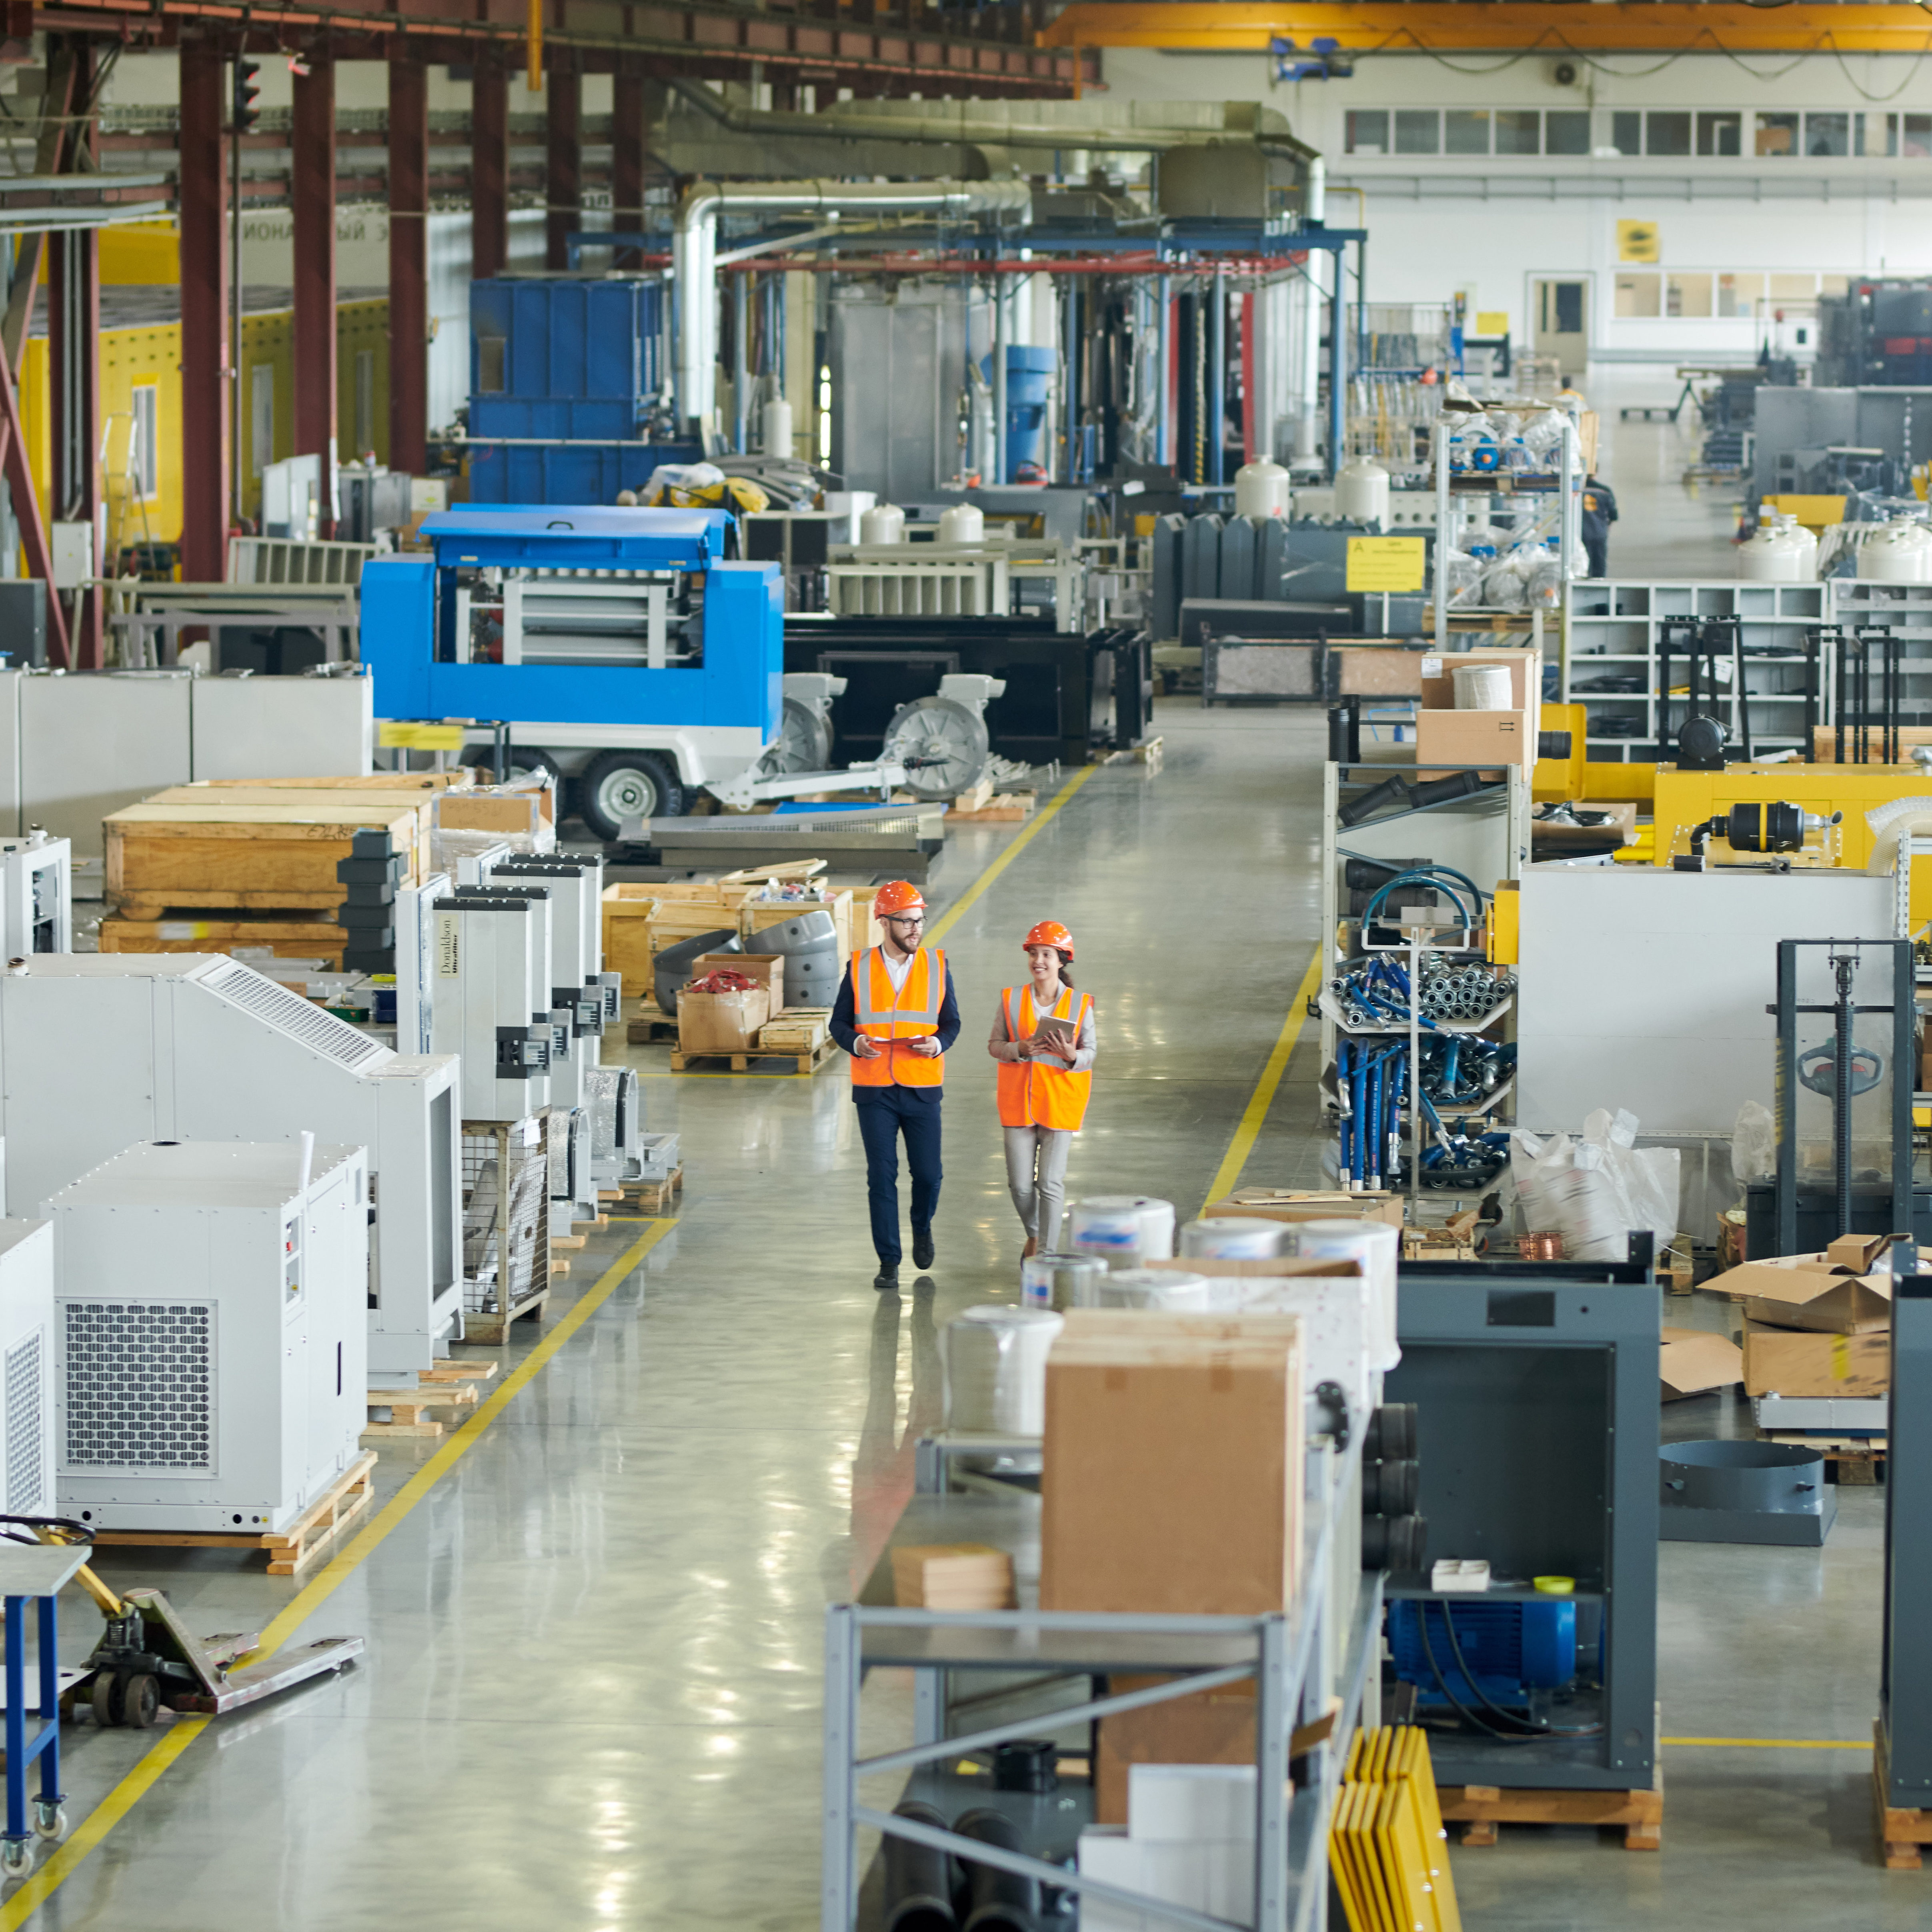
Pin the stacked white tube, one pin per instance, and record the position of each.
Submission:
(1123, 1230)
(995, 1364)
(1166, 1290)
(1060, 1281)
(1235, 1238)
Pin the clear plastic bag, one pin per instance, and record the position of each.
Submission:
(1543, 587)
(1465, 578)
(1754, 1144)
(1543, 434)
(1503, 584)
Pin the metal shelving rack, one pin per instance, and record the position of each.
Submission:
(1616, 623)
(1299, 1663)
(1907, 608)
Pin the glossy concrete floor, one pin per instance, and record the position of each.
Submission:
(591, 1697)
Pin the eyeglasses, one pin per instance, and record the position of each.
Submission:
(905, 919)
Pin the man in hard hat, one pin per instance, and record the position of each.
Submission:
(896, 1016)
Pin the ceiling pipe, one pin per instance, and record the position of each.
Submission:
(694, 252)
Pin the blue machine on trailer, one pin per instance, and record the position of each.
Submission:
(626, 648)
(568, 379)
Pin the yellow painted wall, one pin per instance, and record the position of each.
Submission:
(146, 252)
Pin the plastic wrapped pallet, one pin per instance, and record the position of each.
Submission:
(995, 1365)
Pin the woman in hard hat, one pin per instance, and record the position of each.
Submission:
(1045, 1078)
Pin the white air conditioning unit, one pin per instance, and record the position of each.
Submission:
(27, 1367)
(210, 1347)
(99, 1050)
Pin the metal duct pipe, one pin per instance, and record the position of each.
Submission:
(694, 257)
(1315, 211)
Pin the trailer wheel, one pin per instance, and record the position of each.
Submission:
(105, 1697)
(142, 1702)
(618, 785)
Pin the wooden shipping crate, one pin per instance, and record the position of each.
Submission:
(335, 801)
(855, 926)
(641, 920)
(179, 854)
(511, 812)
(285, 938)
(404, 781)
(800, 1030)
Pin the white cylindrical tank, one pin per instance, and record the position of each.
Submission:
(1261, 489)
(962, 525)
(884, 524)
(777, 427)
(1901, 553)
(1362, 492)
(1780, 551)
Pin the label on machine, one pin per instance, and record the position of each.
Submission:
(449, 946)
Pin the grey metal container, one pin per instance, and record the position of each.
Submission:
(809, 945)
(672, 967)
(1722, 1491)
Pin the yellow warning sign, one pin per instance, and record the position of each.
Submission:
(1386, 563)
(1638, 242)
(397, 735)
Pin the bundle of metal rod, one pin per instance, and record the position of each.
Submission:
(1370, 1080)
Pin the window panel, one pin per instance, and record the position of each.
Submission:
(1738, 294)
(1686, 294)
(1792, 288)
(1627, 134)
(1666, 134)
(1828, 134)
(1915, 135)
(1777, 134)
(1519, 131)
(1368, 130)
(1719, 134)
(1833, 285)
(1418, 130)
(1566, 133)
(1638, 295)
(1466, 130)
(145, 463)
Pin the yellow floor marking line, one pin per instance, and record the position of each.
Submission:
(118, 1802)
(1227, 1176)
(1038, 824)
(1765, 1743)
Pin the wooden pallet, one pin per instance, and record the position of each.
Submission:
(656, 1197)
(290, 1551)
(650, 1029)
(409, 1410)
(801, 1063)
(488, 1328)
(1147, 752)
(1639, 1815)
(1852, 1462)
(1006, 808)
(1902, 1828)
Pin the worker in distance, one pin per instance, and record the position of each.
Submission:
(896, 1015)
(1043, 1038)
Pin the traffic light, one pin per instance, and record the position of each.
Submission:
(248, 85)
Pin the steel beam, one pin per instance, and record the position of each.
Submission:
(563, 160)
(636, 104)
(312, 196)
(73, 364)
(409, 262)
(1489, 26)
(489, 167)
(206, 401)
(55, 105)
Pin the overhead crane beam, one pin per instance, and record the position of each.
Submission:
(1492, 26)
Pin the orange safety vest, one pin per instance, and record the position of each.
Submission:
(1039, 1092)
(892, 1018)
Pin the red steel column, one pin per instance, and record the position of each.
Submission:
(204, 288)
(313, 194)
(563, 161)
(489, 167)
(408, 263)
(630, 136)
(74, 340)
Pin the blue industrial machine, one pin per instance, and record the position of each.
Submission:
(627, 651)
(1474, 1653)
(569, 390)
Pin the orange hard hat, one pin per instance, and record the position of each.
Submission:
(1049, 932)
(897, 895)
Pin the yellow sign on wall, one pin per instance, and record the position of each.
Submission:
(1638, 242)
(1385, 563)
(396, 735)
(1491, 322)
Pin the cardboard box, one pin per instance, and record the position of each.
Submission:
(766, 968)
(1523, 662)
(1173, 1465)
(1488, 738)
(1376, 671)
(1794, 1362)
(1289, 1204)
(952, 1577)
(1809, 1291)
(722, 1022)
(1214, 1726)
(1692, 1361)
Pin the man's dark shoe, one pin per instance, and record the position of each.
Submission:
(922, 1247)
(887, 1281)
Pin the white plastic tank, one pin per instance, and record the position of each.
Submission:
(884, 524)
(1362, 492)
(961, 526)
(1261, 489)
(1780, 551)
(776, 426)
(1901, 553)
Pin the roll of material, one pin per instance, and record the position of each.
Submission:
(1165, 1290)
(1123, 1230)
(1378, 1247)
(1061, 1281)
(1483, 687)
(995, 1364)
(1234, 1238)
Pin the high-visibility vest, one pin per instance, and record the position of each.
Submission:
(1042, 1093)
(893, 1016)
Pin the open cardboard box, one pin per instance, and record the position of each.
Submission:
(763, 969)
(1693, 1361)
(1813, 1292)
(1794, 1362)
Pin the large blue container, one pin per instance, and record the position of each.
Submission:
(563, 358)
(567, 473)
(1028, 371)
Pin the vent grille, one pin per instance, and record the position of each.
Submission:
(290, 1013)
(26, 1448)
(140, 1385)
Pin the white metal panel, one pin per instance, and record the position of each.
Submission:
(92, 742)
(278, 727)
(1646, 988)
(26, 1367)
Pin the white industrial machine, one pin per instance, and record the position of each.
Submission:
(99, 1050)
(36, 895)
(490, 976)
(27, 1366)
(210, 1350)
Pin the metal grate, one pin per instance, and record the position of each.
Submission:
(25, 1444)
(140, 1384)
(501, 1219)
(290, 1013)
